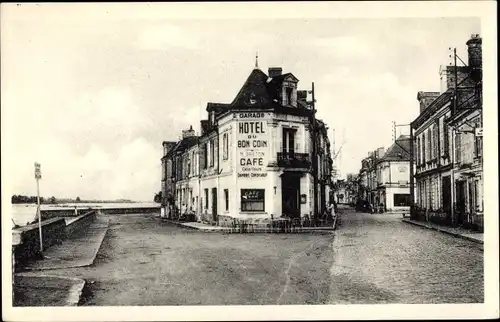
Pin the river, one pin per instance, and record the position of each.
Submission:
(22, 214)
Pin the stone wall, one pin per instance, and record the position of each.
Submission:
(26, 239)
(79, 224)
(138, 210)
(67, 212)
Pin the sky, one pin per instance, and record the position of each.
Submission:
(92, 98)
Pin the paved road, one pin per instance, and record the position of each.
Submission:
(372, 258)
(379, 259)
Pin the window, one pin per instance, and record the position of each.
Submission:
(252, 199)
(206, 199)
(458, 147)
(446, 139)
(289, 92)
(226, 198)
(418, 151)
(423, 147)
(429, 151)
(204, 156)
(435, 144)
(225, 146)
(212, 145)
(401, 200)
(478, 141)
(288, 143)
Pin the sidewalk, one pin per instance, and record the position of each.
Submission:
(454, 231)
(74, 252)
(46, 290)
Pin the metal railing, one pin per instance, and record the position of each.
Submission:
(294, 160)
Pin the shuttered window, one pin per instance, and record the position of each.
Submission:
(423, 147)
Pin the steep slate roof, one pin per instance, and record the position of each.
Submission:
(256, 88)
(183, 145)
(398, 151)
(219, 108)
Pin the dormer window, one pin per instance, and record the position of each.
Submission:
(252, 98)
(289, 95)
(289, 91)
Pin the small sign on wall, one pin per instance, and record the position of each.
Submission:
(303, 199)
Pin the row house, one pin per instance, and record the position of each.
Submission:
(384, 177)
(393, 177)
(447, 143)
(363, 190)
(254, 156)
(373, 175)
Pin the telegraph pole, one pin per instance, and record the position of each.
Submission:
(315, 159)
(38, 176)
(412, 179)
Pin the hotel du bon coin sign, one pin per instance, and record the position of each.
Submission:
(252, 144)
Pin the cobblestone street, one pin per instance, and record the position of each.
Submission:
(371, 258)
(379, 259)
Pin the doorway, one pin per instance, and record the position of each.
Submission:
(290, 195)
(214, 204)
(446, 190)
(460, 208)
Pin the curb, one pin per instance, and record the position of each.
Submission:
(89, 263)
(75, 292)
(225, 231)
(477, 241)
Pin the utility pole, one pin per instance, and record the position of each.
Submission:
(412, 179)
(38, 176)
(455, 96)
(315, 159)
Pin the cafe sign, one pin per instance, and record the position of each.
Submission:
(252, 144)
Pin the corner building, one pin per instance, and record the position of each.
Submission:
(256, 155)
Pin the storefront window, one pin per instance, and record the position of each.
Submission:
(252, 199)
(401, 200)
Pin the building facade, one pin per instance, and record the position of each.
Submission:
(447, 142)
(256, 156)
(393, 177)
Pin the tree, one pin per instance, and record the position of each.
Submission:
(77, 199)
(53, 199)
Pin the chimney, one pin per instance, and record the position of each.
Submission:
(188, 133)
(426, 98)
(474, 48)
(447, 75)
(380, 152)
(167, 146)
(302, 95)
(275, 71)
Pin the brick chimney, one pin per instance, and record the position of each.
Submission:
(447, 74)
(474, 48)
(188, 133)
(275, 71)
(426, 98)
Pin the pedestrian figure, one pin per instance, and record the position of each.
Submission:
(330, 210)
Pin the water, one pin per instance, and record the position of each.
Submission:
(22, 214)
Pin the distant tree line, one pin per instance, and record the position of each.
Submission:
(32, 199)
(17, 199)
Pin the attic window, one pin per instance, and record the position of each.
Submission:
(252, 98)
(289, 92)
